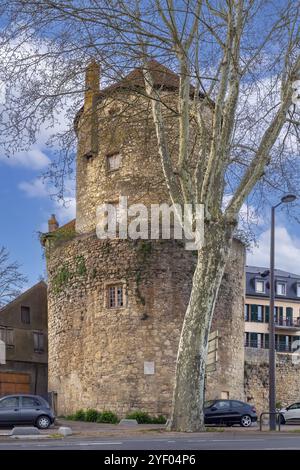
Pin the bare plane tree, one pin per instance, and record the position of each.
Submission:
(237, 58)
(11, 280)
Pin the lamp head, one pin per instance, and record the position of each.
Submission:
(288, 198)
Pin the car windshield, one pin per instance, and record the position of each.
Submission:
(208, 403)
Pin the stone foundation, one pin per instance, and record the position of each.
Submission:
(257, 379)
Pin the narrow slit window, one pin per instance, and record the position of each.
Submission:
(113, 162)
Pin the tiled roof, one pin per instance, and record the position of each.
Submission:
(255, 272)
(162, 77)
(68, 226)
(278, 272)
(19, 297)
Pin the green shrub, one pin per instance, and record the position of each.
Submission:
(141, 416)
(144, 418)
(69, 417)
(107, 417)
(79, 415)
(159, 420)
(91, 415)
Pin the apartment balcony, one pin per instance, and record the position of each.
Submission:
(280, 348)
(287, 325)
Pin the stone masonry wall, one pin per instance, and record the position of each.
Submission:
(257, 379)
(228, 379)
(97, 354)
(124, 126)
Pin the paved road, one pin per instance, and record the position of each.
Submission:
(213, 442)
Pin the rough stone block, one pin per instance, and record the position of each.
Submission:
(25, 431)
(129, 422)
(65, 431)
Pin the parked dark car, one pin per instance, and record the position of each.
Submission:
(229, 412)
(25, 409)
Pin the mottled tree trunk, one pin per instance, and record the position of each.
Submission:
(188, 398)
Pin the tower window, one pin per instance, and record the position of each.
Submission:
(115, 296)
(113, 161)
(25, 315)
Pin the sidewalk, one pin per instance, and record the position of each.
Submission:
(84, 430)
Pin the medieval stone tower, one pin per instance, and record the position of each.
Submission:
(116, 306)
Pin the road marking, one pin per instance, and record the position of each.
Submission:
(236, 440)
(199, 440)
(97, 443)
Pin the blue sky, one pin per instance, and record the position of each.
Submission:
(25, 206)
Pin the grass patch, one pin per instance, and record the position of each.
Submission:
(214, 429)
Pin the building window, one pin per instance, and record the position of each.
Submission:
(278, 314)
(38, 342)
(7, 336)
(25, 315)
(115, 296)
(260, 313)
(280, 288)
(266, 341)
(267, 313)
(283, 343)
(289, 316)
(113, 162)
(246, 312)
(298, 289)
(260, 286)
(254, 340)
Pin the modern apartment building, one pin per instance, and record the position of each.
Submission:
(287, 309)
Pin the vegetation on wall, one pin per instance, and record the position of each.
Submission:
(80, 265)
(64, 273)
(61, 278)
(53, 239)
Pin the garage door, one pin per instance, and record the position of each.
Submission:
(11, 382)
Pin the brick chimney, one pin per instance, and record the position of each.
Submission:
(89, 122)
(52, 224)
(92, 83)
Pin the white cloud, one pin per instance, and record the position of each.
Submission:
(65, 211)
(35, 159)
(35, 188)
(287, 249)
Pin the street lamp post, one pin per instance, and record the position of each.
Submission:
(272, 355)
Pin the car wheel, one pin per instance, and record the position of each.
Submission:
(43, 422)
(246, 421)
(282, 420)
